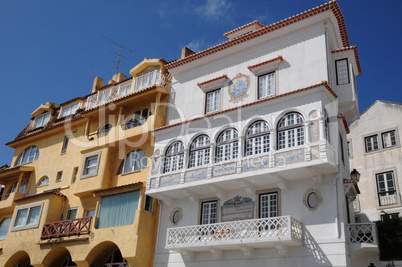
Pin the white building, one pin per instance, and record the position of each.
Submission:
(251, 168)
(375, 152)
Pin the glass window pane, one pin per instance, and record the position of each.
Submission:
(21, 217)
(90, 213)
(34, 215)
(4, 227)
(71, 214)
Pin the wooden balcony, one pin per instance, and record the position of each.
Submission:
(77, 226)
(246, 235)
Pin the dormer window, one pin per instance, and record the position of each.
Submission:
(69, 110)
(149, 77)
(42, 119)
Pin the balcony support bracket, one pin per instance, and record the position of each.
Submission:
(281, 183)
(247, 251)
(282, 250)
(187, 255)
(217, 254)
(191, 196)
(317, 177)
(166, 200)
(219, 193)
(248, 188)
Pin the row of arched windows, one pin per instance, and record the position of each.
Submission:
(290, 133)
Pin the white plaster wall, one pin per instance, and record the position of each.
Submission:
(380, 117)
(304, 64)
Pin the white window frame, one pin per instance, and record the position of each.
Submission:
(132, 155)
(270, 80)
(174, 160)
(26, 225)
(215, 104)
(257, 141)
(69, 110)
(138, 119)
(394, 142)
(200, 151)
(85, 167)
(68, 212)
(42, 119)
(209, 218)
(260, 204)
(41, 179)
(390, 194)
(340, 71)
(227, 149)
(290, 135)
(20, 160)
(372, 143)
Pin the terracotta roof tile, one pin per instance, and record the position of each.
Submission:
(117, 188)
(280, 58)
(255, 22)
(332, 5)
(324, 83)
(49, 192)
(345, 123)
(212, 80)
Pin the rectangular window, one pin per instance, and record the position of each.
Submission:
(268, 205)
(266, 85)
(149, 203)
(371, 143)
(90, 165)
(387, 194)
(59, 176)
(342, 71)
(71, 213)
(74, 177)
(42, 119)
(209, 212)
(213, 101)
(350, 149)
(69, 110)
(90, 213)
(27, 217)
(388, 139)
(118, 209)
(65, 144)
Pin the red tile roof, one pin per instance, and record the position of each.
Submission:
(332, 5)
(255, 22)
(345, 123)
(279, 58)
(49, 192)
(117, 188)
(324, 83)
(212, 80)
(354, 48)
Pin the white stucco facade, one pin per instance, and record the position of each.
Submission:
(381, 121)
(278, 196)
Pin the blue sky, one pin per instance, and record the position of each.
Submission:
(52, 50)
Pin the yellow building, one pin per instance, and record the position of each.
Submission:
(74, 194)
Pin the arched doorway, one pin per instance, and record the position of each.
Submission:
(106, 254)
(58, 257)
(19, 259)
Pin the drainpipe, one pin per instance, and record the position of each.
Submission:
(327, 52)
(337, 221)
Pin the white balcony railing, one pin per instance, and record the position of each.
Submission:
(363, 233)
(388, 198)
(268, 229)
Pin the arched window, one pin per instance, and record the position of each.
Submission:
(200, 151)
(22, 187)
(227, 145)
(134, 161)
(290, 131)
(139, 118)
(44, 181)
(174, 158)
(257, 138)
(30, 154)
(105, 128)
(4, 226)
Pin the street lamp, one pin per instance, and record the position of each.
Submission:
(355, 175)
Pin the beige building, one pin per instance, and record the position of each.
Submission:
(375, 151)
(74, 194)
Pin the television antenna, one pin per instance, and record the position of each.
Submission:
(120, 56)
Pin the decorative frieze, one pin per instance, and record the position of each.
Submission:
(196, 175)
(224, 169)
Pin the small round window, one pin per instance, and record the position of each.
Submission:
(176, 215)
(312, 200)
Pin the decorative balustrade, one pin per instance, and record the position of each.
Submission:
(363, 233)
(388, 198)
(262, 229)
(77, 226)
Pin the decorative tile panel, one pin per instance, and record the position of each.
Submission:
(192, 176)
(224, 169)
(255, 163)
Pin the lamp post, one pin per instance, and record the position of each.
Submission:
(355, 175)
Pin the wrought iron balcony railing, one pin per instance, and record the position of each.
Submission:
(262, 229)
(77, 226)
(363, 233)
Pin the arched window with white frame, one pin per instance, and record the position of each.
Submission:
(174, 157)
(200, 151)
(227, 145)
(257, 138)
(30, 154)
(290, 131)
